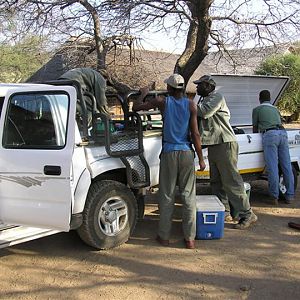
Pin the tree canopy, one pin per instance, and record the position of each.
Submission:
(20, 60)
(285, 65)
(207, 24)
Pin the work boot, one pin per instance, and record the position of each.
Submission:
(274, 201)
(228, 217)
(288, 199)
(246, 222)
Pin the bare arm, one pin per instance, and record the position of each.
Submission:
(153, 103)
(196, 135)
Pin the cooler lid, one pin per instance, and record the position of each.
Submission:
(209, 203)
(241, 93)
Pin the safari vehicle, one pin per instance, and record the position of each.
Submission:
(59, 170)
(241, 93)
(62, 171)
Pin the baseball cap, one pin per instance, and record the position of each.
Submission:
(176, 81)
(205, 78)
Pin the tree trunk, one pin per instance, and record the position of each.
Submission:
(197, 39)
(101, 52)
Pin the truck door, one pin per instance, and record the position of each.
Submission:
(37, 142)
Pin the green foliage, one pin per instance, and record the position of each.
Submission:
(21, 60)
(285, 65)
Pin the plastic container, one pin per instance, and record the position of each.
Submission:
(100, 127)
(210, 217)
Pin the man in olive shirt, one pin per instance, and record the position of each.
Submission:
(91, 82)
(266, 119)
(217, 134)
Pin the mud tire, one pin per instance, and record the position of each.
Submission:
(109, 216)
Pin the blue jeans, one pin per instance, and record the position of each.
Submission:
(276, 151)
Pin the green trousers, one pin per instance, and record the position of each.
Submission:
(177, 167)
(225, 180)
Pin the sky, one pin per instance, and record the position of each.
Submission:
(167, 42)
(164, 43)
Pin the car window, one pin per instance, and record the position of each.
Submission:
(36, 121)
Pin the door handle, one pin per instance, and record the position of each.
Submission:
(52, 170)
(249, 137)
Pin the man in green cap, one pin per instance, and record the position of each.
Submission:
(217, 134)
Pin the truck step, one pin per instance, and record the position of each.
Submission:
(12, 235)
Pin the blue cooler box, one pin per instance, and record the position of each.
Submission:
(210, 217)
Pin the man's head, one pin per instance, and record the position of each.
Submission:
(175, 83)
(205, 85)
(264, 96)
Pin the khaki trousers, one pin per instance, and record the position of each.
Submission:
(177, 167)
(225, 180)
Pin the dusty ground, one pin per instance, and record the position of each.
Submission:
(261, 263)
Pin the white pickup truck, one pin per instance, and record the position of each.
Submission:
(60, 172)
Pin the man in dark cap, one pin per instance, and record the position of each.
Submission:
(217, 134)
(266, 119)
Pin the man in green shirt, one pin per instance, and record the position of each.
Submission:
(266, 119)
(217, 134)
(91, 82)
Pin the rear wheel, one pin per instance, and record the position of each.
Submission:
(282, 187)
(109, 216)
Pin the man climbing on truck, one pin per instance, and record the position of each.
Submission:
(91, 82)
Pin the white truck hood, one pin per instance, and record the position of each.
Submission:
(241, 93)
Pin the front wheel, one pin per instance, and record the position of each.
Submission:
(282, 187)
(109, 216)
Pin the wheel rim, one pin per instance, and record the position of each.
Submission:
(282, 187)
(113, 216)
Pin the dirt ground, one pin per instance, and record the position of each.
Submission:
(260, 263)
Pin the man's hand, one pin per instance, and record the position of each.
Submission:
(139, 104)
(202, 165)
(144, 91)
